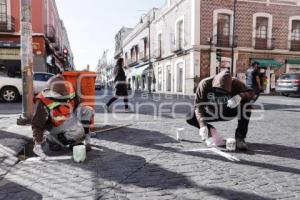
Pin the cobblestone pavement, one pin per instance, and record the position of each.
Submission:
(145, 161)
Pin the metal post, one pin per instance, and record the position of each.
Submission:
(150, 63)
(27, 62)
(233, 36)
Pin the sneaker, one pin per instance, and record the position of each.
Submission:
(241, 145)
(128, 110)
(108, 110)
(38, 150)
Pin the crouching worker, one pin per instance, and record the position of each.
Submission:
(223, 98)
(59, 114)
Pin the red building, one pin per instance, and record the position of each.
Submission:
(49, 37)
(267, 31)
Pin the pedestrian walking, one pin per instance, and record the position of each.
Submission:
(120, 86)
(253, 80)
(222, 98)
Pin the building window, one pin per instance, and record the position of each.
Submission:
(180, 34)
(136, 53)
(262, 28)
(180, 77)
(160, 79)
(296, 30)
(295, 35)
(132, 55)
(3, 11)
(168, 79)
(223, 30)
(261, 41)
(145, 47)
(159, 45)
(262, 31)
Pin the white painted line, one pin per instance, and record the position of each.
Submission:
(217, 151)
(50, 158)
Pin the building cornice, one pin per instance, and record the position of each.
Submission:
(251, 50)
(275, 2)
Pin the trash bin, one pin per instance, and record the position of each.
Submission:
(84, 85)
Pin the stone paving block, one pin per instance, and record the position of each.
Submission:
(144, 161)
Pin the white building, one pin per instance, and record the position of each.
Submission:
(136, 53)
(174, 45)
(105, 68)
(177, 43)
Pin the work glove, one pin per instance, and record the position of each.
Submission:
(203, 132)
(234, 101)
(38, 150)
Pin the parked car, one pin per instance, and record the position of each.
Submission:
(288, 84)
(98, 86)
(11, 87)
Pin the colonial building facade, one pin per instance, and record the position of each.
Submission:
(137, 48)
(194, 39)
(177, 36)
(105, 68)
(266, 31)
(51, 48)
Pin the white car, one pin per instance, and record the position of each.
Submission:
(11, 88)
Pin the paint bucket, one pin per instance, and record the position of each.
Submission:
(179, 134)
(79, 153)
(230, 144)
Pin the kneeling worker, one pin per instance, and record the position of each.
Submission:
(58, 112)
(223, 98)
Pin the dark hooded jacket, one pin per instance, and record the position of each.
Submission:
(56, 89)
(120, 81)
(206, 93)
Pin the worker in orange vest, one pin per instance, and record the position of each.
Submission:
(58, 112)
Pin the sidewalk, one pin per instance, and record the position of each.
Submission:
(12, 141)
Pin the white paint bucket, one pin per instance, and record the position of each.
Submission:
(79, 153)
(230, 144)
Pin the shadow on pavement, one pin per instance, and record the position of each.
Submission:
(225, 193)
(135, 170)
(281, 107)
(10, 190)
(152, 139)
(276, 150)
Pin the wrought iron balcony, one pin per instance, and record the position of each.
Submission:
(264, 43)
(177, 46)
(7, 23)
(158, 53)
(50, 33)
(132, 62)
(143, 56)
(225, 41)
(295, 45)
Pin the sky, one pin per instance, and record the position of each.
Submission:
(93, 24)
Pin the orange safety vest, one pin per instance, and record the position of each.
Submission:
(59, 111)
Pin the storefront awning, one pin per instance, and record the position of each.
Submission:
(138, 71)
(264, 63)
(293, 62)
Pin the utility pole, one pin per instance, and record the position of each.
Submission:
(27, 62)
(150, 63)
(151, 70)
(233, 36)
